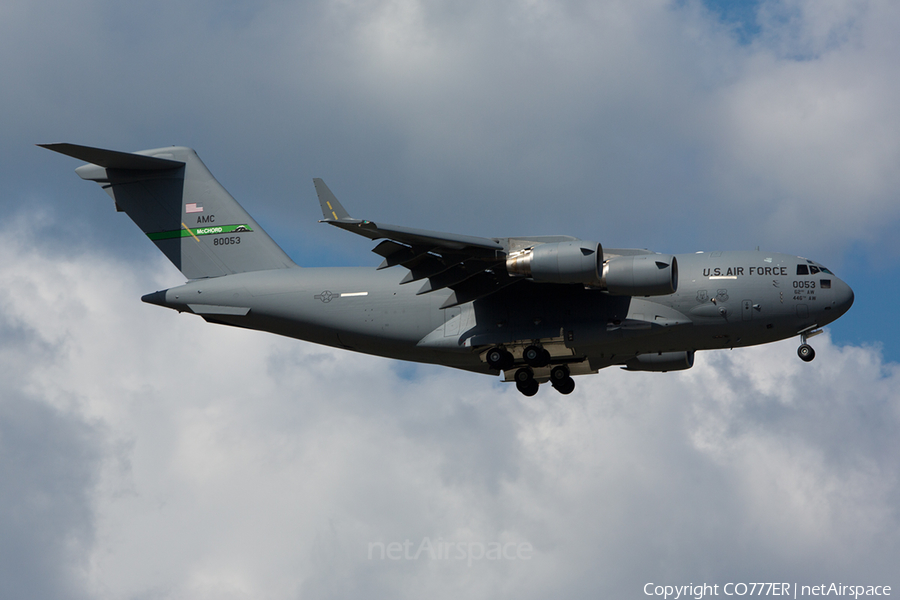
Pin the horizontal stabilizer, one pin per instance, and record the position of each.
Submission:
(113, 159)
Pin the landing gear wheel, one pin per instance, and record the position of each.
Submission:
(525, 382)
(806, 352)
(561, 381)
(536, 357)
(529, 388)
(566, 386)
(524, 374)
(559, 373)
(499, 359)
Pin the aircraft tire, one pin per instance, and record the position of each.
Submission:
(806, 352)
(558, 374)
(524, 375)
(499, 359)
(565, 386)
(536, 357)
(529, 387)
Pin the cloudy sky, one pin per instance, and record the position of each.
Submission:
(145, 454)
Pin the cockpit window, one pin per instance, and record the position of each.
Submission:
(824, 270)
(813, 269)
(802, 270)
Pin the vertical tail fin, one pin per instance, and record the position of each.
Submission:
(171, 195)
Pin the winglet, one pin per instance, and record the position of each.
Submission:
(331, 208)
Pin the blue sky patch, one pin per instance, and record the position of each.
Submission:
(740, 15)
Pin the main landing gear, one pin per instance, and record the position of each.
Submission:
(535, 357)
(525, 381)
(805, 351)
(560, 379)
(500, 359)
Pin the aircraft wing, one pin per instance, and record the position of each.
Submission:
(465, 264)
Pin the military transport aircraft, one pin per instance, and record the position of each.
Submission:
(532, 309)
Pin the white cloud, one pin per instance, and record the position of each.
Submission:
(643, 119)
(215, 462)
(174, 458)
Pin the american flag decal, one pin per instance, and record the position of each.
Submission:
(192, 208)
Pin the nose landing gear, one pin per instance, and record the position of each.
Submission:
(805, 351)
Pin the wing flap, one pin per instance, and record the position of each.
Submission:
(480, 286)
(428, 266)
(453, 276)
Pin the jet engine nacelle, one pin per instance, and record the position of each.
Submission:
(562, 262)
(661, 361)
(641, 275)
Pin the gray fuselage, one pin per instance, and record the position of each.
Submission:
(723, 300)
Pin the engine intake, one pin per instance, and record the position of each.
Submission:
(562, 262)
(661, 361)
(641, 275)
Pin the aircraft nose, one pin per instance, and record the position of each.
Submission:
(843, 297)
